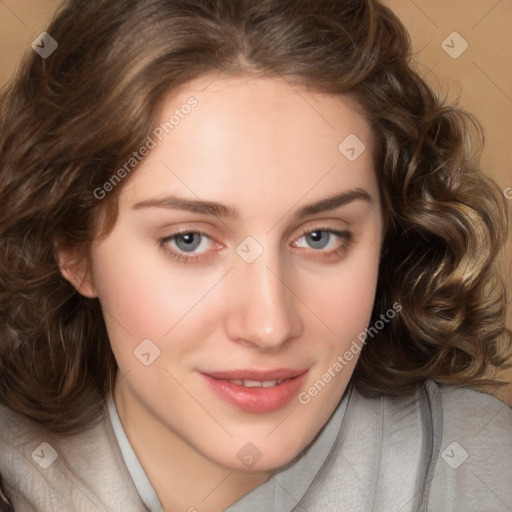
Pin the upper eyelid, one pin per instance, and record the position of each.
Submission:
(305, 231)
(302, 232)
(316, 222)
(345, 236)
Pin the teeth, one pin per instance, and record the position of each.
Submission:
(253, 383)
(257, 383)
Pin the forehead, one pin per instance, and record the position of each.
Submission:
(251, 136)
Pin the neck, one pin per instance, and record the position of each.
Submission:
(183, 478)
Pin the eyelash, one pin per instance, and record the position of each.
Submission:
(340, 251)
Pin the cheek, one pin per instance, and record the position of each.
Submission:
(128, 282)
(143, 296)
(346, 303)
(137, 301)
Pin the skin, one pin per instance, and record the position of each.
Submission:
(266, 149)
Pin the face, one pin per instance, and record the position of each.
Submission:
(241, 269)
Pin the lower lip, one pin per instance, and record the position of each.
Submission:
(258, 399)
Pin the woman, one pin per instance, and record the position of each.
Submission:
(246, 258)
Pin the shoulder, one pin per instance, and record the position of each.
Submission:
(484, 413)
(472, 468)
(382, 455)
(47, 472)
(437, 449)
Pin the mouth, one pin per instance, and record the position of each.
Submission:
(254, 390)
(248, 383)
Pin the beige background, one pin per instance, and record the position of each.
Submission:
(480, 77)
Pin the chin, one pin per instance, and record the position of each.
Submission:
(260, 455)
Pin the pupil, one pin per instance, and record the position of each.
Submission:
(188, 241)
(318, 239)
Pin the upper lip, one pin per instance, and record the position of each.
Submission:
(258, 375)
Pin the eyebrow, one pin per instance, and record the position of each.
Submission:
(221, 210)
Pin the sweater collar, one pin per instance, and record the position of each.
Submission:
(282, 491)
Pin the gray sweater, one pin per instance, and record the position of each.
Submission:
(442, 449)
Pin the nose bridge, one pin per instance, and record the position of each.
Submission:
(264, 309)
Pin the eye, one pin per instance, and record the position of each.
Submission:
(318, 239)
(184, 245)
(325, 242)
(194, 246)
(188, 242)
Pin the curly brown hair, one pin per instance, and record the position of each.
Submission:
(70, 120)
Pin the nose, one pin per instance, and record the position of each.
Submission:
(263, 306)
